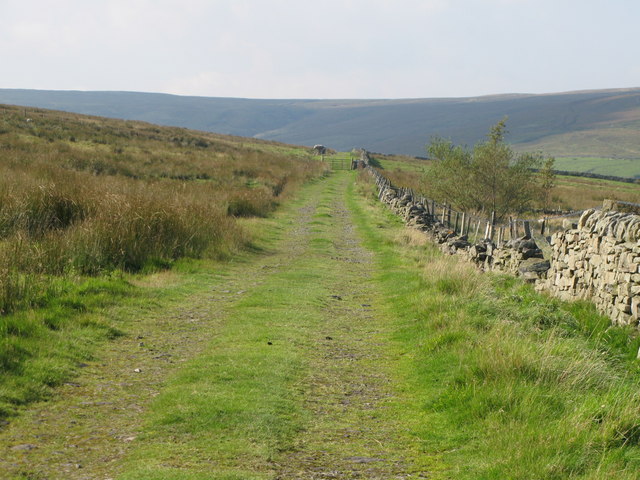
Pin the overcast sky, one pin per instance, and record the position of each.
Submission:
(321, 48)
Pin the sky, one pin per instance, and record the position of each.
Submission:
(321, 48)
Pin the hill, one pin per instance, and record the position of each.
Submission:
(594, 131)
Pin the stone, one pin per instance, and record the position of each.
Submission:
(459, 243)
(532, 253)
(24, 447)
(535, 266)
(635, 307)
(624, 289)
(624, 308)
(597, 259)
(584, 217)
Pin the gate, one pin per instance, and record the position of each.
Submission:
(340, 161)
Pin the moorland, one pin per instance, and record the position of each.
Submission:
(178, 304)
(592, 131)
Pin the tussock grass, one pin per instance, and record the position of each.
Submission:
(412, 238)
(511, 383)
(82, 195)
(84, 198)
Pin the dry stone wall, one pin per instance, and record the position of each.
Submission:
(599, 260)
(518, 256)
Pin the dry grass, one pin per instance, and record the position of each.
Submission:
(412, 238)
(83, 195)
(577, 193)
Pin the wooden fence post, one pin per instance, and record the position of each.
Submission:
(527, 229)
(493, 222)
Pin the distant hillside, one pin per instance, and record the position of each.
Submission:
(597, 131)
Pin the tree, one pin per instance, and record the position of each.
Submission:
(491, 177)
(449, 172)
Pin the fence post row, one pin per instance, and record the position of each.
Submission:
(462, 223)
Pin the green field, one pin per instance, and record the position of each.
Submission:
(619, 167)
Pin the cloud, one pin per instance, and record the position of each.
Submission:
(373, 48)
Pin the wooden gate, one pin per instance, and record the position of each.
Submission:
(340, 161)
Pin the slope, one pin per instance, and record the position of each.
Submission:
(603, 124)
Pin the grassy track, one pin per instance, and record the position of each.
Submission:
(297, 384)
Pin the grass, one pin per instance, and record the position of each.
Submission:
(615, 147)
(231, 412)
(620, 167)
(472, 376)
(85, 202)
(268, 399)
(233, 404)
(512, 384)
(578, 193)
(42, 347)
(491, 379)
(437, 369)
(402, 163)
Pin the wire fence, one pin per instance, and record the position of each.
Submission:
(481, 227)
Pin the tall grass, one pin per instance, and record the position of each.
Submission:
(517, 385)
(83, 199)
(84, 196)
(511, 383)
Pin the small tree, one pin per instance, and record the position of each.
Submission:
(451, 173)
(491, 177)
